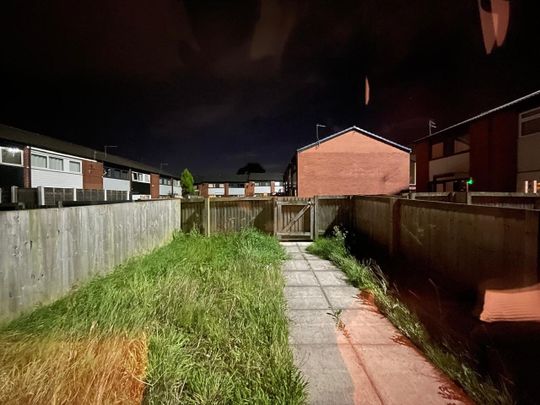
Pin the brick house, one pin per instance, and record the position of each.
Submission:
(349, 162)
(499, 149)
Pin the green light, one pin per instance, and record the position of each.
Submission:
(470, 181)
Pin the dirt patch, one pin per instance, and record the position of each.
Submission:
(98, 370)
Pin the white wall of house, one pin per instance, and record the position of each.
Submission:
(68, 175)
(49, 178)
(262, 190)
(216, 191)
(165, 190)
(116, 184)
(237, 191)
(177, 190)
(451, 164)
(279, 189)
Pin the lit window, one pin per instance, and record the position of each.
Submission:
(39, 161)
(56, 163)
(11, 156)
(74, 167)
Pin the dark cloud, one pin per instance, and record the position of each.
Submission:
(211, 84)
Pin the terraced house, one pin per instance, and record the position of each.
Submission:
(45, 166)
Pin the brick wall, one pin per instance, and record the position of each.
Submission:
(352, 164)
(92, 175)
(422, 166)
(27, 173)
(250, 189)
(154, 185)
(494, 152)
(203, 189)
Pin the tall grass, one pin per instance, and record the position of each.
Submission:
(369, 277)
(211, 310)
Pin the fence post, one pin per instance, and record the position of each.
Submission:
(206, 216)
(74, 194)
(526, 186)
(14, 194)
(395, 224)
(41, 195)
(535, 186)
(275, 201)
(315, 218)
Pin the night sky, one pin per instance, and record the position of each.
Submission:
(211, 85)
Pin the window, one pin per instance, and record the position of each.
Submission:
(56, 163)
(530, 122)
(236, 185)
(437, 150)
(176, 183)
(140, 177)
(11, 156)
(262, 183)
(39, 161)
(278, 183)
(74, 167)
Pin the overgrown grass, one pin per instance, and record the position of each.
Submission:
(369, 277)
(211, 310)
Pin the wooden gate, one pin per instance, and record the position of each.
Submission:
(294, 218)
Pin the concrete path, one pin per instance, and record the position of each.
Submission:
(362, 359)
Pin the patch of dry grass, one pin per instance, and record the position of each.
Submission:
(68, 370)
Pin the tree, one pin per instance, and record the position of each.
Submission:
(186, 180)
(251, 168)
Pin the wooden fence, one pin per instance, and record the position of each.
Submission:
(492, 199)
(211, 215)
(470, 244)
(475, 246)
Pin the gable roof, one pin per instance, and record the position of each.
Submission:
(360, 131)
(483, 114)
(46, 142)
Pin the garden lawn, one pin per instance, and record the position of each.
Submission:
(200, 320)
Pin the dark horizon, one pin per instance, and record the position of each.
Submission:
(210, 87)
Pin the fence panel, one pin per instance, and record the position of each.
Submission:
(228, 215)
(331, 212)
(192, 215)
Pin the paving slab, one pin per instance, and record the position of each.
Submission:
(305, 298)
(343, 297)
(331, 278)
(296, 265)
(296, 256)
(300, 278)
(328, 377)
(309, 256)
(292, 249)
(312, 326)
(322, 265)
